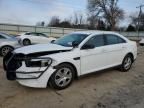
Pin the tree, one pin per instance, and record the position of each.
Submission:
(138, 22)
(54, 22)
(78, 20)
(42, 23)
(108, 9)
(131, 28)
(65, 24)
(92, 21)
(75, 18)
(101, 25)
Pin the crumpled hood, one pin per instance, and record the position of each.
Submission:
(39, 48)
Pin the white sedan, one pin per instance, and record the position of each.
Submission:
(69, 57)
(7, 43)
(34, 38)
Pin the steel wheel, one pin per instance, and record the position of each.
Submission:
(5, 50)
(127, 63)
(26, 42)
(63, 77)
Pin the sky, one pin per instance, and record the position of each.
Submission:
(29, 12)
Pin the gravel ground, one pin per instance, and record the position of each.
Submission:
(106, 89)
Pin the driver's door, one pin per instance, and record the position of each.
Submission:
(93, 59)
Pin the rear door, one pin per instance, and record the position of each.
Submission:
(34, 38)
(114, 50)
(43, 38)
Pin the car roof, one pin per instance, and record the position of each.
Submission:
(90, 32)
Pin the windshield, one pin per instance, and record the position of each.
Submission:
(68, 39)
(8, 36)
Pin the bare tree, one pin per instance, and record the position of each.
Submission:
(92, 21)
(78, 19)
(138, 22)
(75, 18)
(54, 22)
(41, 23)
(108, 9)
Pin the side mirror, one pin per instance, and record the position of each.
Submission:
(75, 44)
(88, 46)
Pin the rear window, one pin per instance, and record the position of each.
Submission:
(114, 39)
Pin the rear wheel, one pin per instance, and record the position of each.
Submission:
(5, 49)
(62, 77)
(141, 44)
(127, 63)
(26, 42)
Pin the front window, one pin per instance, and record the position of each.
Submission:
(69, 39)
(96, 41)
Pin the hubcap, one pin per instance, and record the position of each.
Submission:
(5, 50)
(127, 63)
(63, 77)
(26, 42)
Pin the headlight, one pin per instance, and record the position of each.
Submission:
(41, 62)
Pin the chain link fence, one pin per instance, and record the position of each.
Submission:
(55, 31)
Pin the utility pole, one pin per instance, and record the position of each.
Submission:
(139, 17)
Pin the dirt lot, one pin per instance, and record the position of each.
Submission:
(107, 89)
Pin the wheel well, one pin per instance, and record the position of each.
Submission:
(76, 74)
(131, 56)
(6, 46)
(26, 39)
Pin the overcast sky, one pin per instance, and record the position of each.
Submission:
(31, 11)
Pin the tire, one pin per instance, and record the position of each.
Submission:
(60, 79)
(141, 44)
(127, 63)
(5, 49)
(26, 42)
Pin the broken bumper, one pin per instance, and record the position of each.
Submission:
(16, 69)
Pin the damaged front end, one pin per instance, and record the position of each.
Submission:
(20, 66)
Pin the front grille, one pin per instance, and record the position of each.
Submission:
(11, 64)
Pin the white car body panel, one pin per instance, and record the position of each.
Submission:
(91, 60)
(40, 48)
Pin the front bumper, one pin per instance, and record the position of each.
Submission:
(17, 70)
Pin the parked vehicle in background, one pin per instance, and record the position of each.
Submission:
(69, 57)
(34, 38)
(142, 42)
(7, 43)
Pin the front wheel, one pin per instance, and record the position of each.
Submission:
(126, 64)
(141, 44)
(5, 49)
(62, 77)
